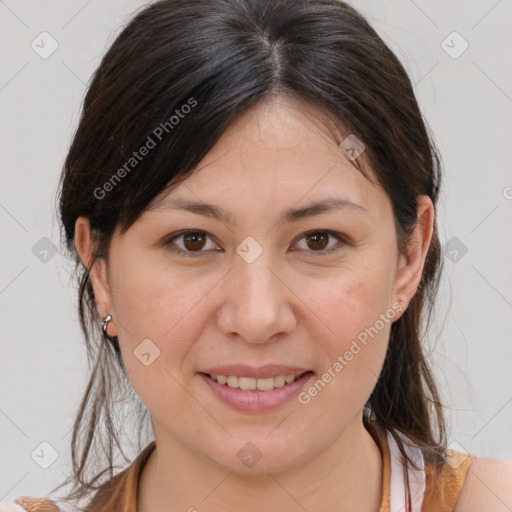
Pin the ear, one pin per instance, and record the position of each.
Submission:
(410, 270)
(85, 247)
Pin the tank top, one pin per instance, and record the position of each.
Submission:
(431, 490)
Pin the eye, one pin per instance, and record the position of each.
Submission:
(195, 240)
(318, 241)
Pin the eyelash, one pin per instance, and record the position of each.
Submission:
(340, 237)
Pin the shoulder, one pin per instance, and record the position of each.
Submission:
(487, 487)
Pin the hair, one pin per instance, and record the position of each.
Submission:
(221, 57)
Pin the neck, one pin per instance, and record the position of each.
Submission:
(347, 476)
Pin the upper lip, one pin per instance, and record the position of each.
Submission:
(262, 372)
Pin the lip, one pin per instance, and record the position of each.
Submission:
(257, 401)
(263, 372)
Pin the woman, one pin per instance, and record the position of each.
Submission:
(251, 196)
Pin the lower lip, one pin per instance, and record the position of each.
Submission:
(257, 401)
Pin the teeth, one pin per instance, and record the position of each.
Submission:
(249, 383)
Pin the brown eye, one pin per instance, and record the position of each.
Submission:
(192, 243)
(195, 242)
(317, 241)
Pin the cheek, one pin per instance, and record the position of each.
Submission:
(349, 299)
(161, 306)
(353, 319)
(168, 310)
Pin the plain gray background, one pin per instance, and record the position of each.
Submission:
(467, 101)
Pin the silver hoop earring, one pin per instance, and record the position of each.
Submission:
(369, 413)
(112, 339)
(106, 320)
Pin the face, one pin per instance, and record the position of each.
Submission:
(272, 282)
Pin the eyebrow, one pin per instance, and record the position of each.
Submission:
(291, 215)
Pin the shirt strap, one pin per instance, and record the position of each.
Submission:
(31, 504)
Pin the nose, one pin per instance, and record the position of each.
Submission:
(258, 303)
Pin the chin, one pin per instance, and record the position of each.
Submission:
(258, 457)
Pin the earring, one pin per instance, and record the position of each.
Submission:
(112, 339)
(369, 412)
(106, 320)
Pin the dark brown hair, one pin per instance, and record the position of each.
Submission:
(221, 57)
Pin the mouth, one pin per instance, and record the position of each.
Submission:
(256, 395)
(253, 384)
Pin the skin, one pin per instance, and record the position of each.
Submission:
(292, 305)
(488, 487)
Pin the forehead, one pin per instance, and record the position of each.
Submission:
(276, 152)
